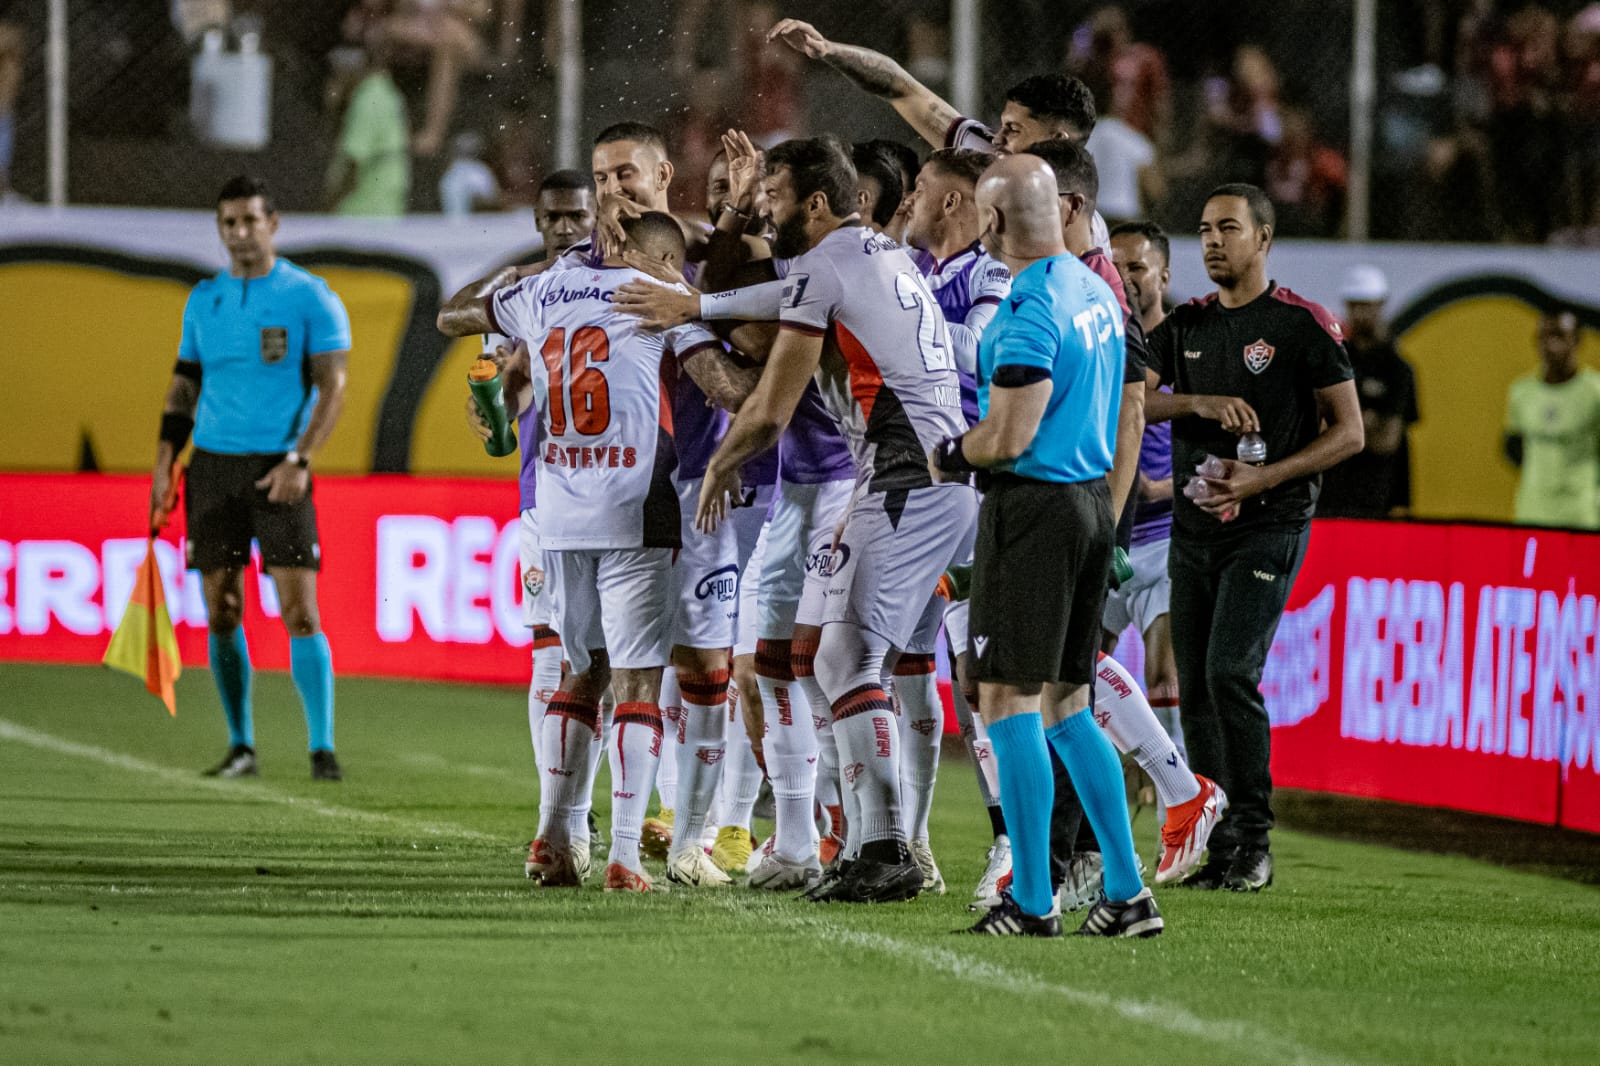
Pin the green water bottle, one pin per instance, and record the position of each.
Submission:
(484, 381)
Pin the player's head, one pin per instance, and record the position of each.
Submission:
(879, 184)
(630, 161)
(944, 201)
(1558, 342)
(905, 156)
(657, 235)
(1143, 256)
(564, 210)
(1077, 179)
(247, 222)
(1364, 291)
(1235, 232)
(1017, 209)
(719, 188)
(811, 188)
(1045, 107)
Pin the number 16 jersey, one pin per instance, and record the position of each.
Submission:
(604, 390)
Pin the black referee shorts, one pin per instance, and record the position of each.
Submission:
(1041, 565)
(226, 511)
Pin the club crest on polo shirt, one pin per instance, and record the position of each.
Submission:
(1257, 356)
(274, 344)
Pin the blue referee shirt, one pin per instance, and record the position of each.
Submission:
(253, 340)
(1060, 316)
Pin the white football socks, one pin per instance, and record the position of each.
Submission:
(921, 728)
(566, 736)
(699, 755)
(635, 753)
(1125, 715)
(672, 728)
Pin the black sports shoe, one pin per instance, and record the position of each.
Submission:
(832, 875)
(324, 767)
(871, 881)
(1137, 917)
(239, 762)
(1251, 871)
(1008, 919)
(1209, 877)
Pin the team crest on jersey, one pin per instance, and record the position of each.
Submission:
(1257, 356)
(533, 581)
(274, 344)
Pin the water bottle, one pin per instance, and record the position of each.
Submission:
(1211, 467)
(1252, 449)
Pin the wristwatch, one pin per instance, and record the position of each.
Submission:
(302, 461)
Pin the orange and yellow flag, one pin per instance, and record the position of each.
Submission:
(144, 644)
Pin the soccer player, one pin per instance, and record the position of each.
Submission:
(858, 316)
(1552, 432)
(879, 185)
(1250, 358)
(564, 212)
(260, 381)
(1049, 369)
(610, 523)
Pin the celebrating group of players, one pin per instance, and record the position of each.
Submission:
(767, 461)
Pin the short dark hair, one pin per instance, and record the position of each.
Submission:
(655, 228)
(1074, 167)
(1261, 212)
(244, 187)
(575, 180)
(1151, 232)
(879, 164)
(1060, 97)
(633, 131)
(906, 156)
(819, 164)
(962, 163)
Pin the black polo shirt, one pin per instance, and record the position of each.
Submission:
(1274, 353)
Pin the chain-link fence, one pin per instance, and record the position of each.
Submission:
(1487, 115)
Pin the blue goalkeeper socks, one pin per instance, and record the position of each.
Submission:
(1027, 792)
(230, 669)
(312, 668)
(1097, 775)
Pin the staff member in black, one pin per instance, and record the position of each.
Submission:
(1251, 358)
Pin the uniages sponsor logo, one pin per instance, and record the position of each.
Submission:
(878, 242)
(723, 583)
(882, 738)
(564, 295)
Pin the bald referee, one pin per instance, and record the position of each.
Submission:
(1049, 384)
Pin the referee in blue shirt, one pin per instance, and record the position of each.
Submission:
(260, 382)
(1050, 370)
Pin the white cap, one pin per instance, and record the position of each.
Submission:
(1365, 284)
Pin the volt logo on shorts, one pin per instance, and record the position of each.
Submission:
(723, 583)
(1264, 575)
(826, 563)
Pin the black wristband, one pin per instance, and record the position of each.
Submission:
(188, 368)
(175, 429)
(950, 459)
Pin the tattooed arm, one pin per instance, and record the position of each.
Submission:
(875, 73)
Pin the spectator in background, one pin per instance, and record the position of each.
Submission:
(1376, 482)
(1583, 115)
(1553, 431)
(1130, 179)
(1246, 108)
(1306, 180)
(1128, 79)
(12, 44)
(1524, 75)
(468, 184)
(371, 169)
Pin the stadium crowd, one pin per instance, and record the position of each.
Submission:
(1487, 113)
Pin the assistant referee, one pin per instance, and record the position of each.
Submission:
(1050, 370)
(260, 382)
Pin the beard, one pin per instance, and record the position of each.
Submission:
(789, 239)
(1222, 273)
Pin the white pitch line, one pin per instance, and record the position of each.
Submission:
(979, 972)
(34, 738)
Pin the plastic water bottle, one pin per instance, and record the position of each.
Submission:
(1252, 449)
(1211, 467)
(1196, 489)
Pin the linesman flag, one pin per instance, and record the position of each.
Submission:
(144, 643)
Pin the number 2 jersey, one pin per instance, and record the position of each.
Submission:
(887, 374)
(604, 388)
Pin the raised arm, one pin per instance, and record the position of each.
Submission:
(875, 73)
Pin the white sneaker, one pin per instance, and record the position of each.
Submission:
(932, 879)
(999, 864)
(582, 859)
(759, 853)
(777, 874)
(693, 867)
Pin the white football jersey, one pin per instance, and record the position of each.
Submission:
(604, 390)
(888, 374)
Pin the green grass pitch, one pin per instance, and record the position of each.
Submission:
(150, 916)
